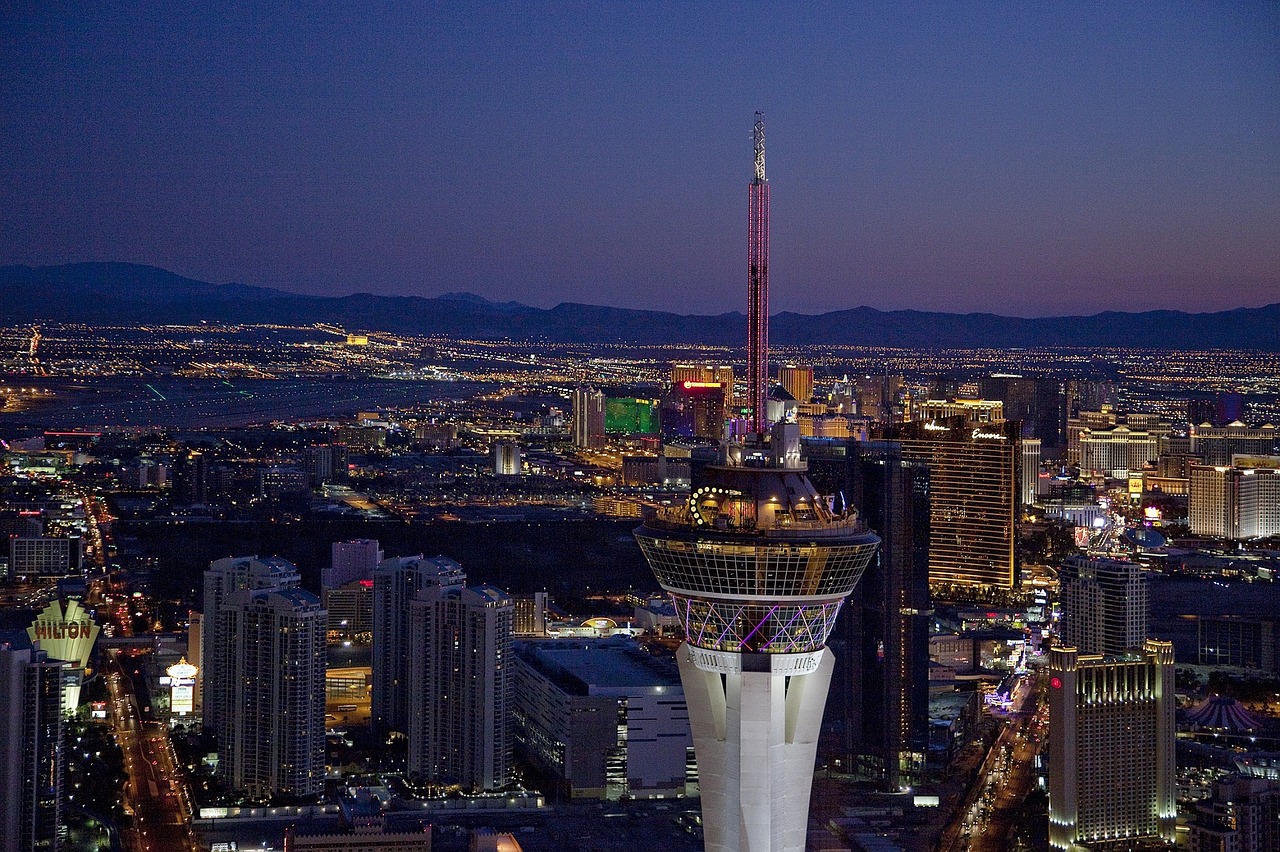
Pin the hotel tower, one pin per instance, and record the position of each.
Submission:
(757, 565)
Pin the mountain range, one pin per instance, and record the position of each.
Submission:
(130, 294)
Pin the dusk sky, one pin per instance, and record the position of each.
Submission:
(1021, 158)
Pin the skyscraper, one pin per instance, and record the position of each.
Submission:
(758, 286)
(973, 489)
(459, 695)
(1111, 746)
(395, 583)
(1105, 605)
(588, 418)
(879, 700)
(798, 381)
(224, 577)
(273, 656)
(757, 566)
(31, 754)
(351, 560)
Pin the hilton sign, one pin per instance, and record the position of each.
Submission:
(66, 636)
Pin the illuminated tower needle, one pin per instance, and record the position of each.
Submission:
(758, 286)
(757, 565)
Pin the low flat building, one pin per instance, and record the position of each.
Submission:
(603, 717)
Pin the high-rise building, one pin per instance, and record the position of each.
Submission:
(588, 418)
(694, 410)
(798, 381)
(1105, 605)
(1029, 470)
(326, 463)
(1111, 746)
(973, 410)
(350, 561)
(973, 489)
(1235, 502)
(529, 614)
(395, 582)
(31, 750)
(224, 577)
(1037, 403)
(879, 704)
(506, 458)
(757, 566)
(1116, 452)
(1217, 444)
(350, 609)
(459, 695)
(273, 656)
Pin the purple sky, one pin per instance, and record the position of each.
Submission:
(1022, 158)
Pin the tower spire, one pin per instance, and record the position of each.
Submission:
(758, 286)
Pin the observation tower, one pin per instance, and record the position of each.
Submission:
(757, 565)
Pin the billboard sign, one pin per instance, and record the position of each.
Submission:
(65, 635)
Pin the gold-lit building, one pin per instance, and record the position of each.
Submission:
(973, 487)
(1111, 745)
(797, 381)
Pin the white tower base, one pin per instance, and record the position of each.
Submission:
(755, 721)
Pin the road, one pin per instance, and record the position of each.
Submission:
(156, 795)
(986, 820)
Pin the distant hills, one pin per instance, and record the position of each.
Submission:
(129, 294)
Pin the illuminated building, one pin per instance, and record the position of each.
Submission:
(506, 458)
(459, 691)
(326, 463)
(529, 614)
(1105, 605)
(31, 750)
(224, 577)
(1215, 445)
(1236, 502)
(273, 655)
(588, 418)
(722, 373)
(351, 560)
(603, 717)
(758, 286)
(1029, 470)
(973, 490)
(1111, 746)
(798, 382)
(694, 410)
(757, 566)
(631, 415)
(973, 410)
(350, 609)
(1116, 452)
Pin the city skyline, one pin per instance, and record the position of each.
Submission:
(1029, 162)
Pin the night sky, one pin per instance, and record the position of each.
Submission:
(1023, 158)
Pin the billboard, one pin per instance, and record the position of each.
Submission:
(182, 687)
(631, 415)
(65, 635)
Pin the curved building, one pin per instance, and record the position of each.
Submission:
(757, 565)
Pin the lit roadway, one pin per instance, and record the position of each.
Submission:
(155, 794)
(1007, 775)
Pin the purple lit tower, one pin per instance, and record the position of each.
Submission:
(757, 564)
(758, 287)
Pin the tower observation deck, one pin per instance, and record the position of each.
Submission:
(757, 565)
